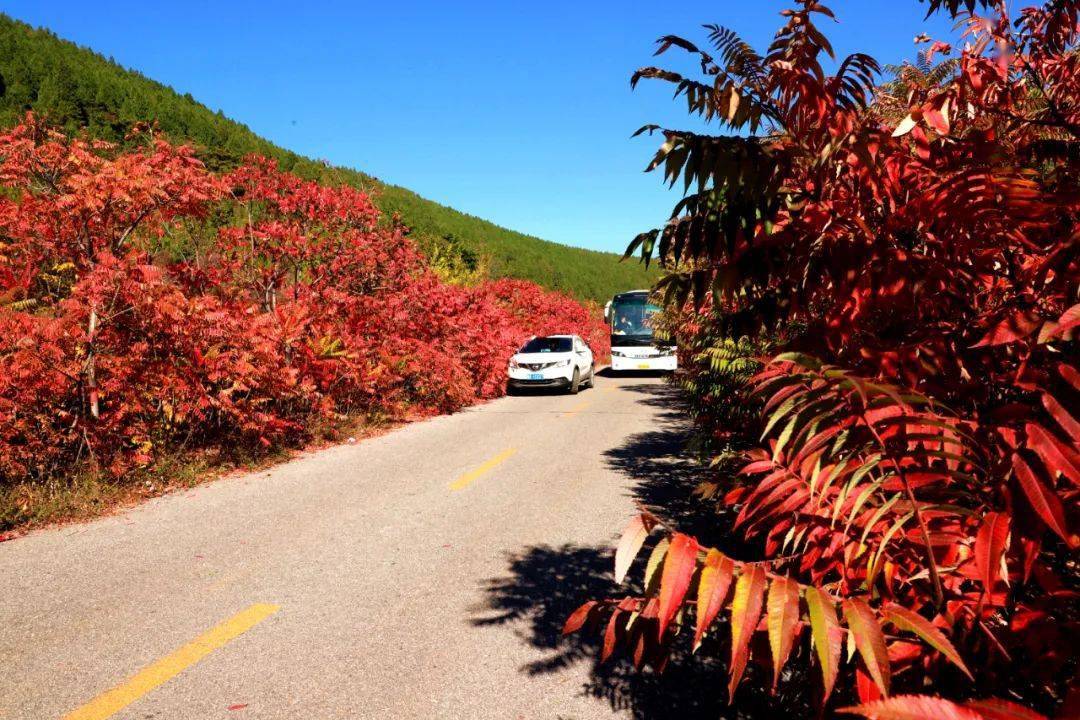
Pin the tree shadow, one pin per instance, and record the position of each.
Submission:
(665, 473)
(545, 584)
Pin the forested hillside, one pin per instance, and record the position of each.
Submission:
(78, 89)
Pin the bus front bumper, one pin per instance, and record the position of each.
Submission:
(664, 363)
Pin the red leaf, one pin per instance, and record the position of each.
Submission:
(997, 709)
(1009, 329)
(1067, 422)
(610, 635)
(1070, 374)
(989, 546)
(905, 619)
(578, 618)
(938, 119)
(1043, 500)
(679, 568)
(865, 688)
(713, 587)
(1062, 327)
(869, 640)
(1056, 457)
(912, 707)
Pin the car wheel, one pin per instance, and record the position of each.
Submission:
(592, 376)
(575, 382)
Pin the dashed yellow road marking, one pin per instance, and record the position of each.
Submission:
(108, 704)
(464, 481)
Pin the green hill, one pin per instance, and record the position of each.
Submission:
(80, 90)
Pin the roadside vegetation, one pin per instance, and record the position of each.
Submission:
(874, 285)
(152, 310)
(80, 91)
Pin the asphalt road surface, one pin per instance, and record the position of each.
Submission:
(420, 574)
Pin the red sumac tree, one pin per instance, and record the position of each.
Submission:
(911, 250)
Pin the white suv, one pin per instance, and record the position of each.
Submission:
(555, 361)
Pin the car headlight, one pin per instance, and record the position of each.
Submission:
(561, 363)
(514, 364)
(616, 353)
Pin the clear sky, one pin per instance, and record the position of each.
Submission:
(518, 112)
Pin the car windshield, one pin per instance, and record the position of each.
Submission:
(547, 345)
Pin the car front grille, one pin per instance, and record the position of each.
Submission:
(535, 366)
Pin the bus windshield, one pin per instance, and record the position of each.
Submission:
(631, 319)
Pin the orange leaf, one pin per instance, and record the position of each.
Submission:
(905, 619)
(782, 621)
(713, 588)
(912, 707)
(745, 615)
(869, 640)
(630, 544)
(679, 568)
(827, 635)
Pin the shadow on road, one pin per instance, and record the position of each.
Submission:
(544, 584)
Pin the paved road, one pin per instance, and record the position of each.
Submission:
(404, 576)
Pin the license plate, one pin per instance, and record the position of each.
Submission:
(536, 376)
(643, 366)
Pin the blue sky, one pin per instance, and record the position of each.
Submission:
(520, 113)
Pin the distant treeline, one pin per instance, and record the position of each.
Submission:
(79, 90)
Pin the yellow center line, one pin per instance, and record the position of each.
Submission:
(464, 481)
(577, 408)
(111, 702)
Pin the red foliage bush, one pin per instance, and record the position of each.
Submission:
(148, 305)
(911, 480)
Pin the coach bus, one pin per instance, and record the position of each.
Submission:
(633, 346)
